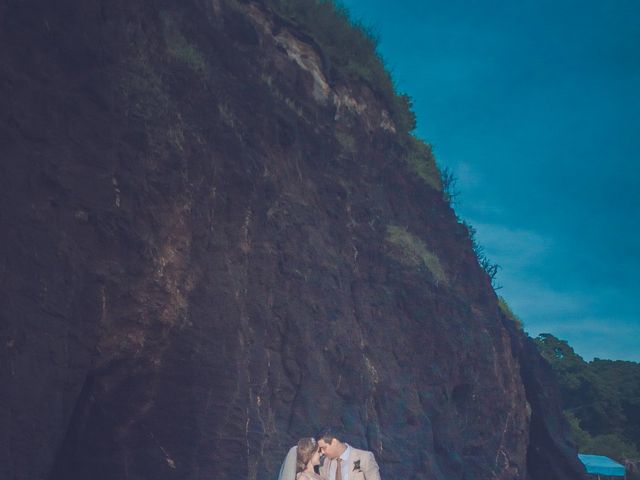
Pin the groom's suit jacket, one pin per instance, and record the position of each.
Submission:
(368, 467)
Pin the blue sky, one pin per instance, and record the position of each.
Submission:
(535, 106)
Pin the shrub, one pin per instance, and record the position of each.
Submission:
(178, 46)
(504, 307)
(412, 251)
(450, 190)
(402, 112)
(423, 163)
(490, 268)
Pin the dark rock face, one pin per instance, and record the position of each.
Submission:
(196, 266)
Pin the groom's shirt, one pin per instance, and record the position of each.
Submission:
(345, 465)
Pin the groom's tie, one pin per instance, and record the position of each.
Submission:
(339, 469)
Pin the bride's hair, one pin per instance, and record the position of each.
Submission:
(306, 448)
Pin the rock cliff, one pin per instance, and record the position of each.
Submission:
(212, 246)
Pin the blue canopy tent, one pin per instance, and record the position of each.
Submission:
(599, 465)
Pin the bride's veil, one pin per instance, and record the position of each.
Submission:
(288, 468)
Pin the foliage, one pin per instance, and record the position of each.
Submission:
(487, 265)
(581, 438)
(412, 251)
(178, 46)
(449, 186)
(422, 162)
(350, 48)
(402, 111)
(601, 399)
(611, 445)
(504, 307)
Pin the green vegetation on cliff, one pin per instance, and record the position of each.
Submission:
(350, 51)
(506, 309)
(350, 48)
(178, 46)
(601, 399)
(411, 251)
(423, 163)
(350, 54)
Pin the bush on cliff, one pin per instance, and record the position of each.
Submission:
(506, 309)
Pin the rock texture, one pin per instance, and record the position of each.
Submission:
(198, 267)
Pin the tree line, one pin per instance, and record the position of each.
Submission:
(601, 400)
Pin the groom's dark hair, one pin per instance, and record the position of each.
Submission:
(329, 433)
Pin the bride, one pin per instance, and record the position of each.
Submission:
(300, 461)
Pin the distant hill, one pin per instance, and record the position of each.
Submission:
(601, 399)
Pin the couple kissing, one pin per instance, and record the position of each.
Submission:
(341, 461)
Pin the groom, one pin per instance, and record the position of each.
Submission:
(343, 462)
